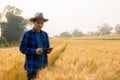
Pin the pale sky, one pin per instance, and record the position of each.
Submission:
(67, 15)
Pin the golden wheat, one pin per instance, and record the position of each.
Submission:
(70, 60)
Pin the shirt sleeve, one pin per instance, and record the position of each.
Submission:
(48, 43)
(24, 45)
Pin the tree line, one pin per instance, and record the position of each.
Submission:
(13, 26)
(104, 29)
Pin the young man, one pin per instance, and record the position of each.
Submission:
(33, 45)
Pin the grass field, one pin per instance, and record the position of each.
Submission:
(71, 59)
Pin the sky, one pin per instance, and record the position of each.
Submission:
(68, 15)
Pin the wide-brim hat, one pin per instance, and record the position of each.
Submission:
(38, 16)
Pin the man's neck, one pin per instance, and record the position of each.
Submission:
(36, 30)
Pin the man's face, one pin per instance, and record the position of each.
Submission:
(38, 25)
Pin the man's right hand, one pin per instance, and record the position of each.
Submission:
(39, 51)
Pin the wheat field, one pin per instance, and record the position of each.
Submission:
(71, 59)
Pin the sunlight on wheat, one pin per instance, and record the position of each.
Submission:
(70, 60)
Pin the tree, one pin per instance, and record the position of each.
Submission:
(77, 33)
(0, 17)
(14, 27)
(0, 24)
(104, 29)
(3, 42)
(90, 33)
(117, 29)
(65, 34)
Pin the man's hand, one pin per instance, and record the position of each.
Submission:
(39, 51)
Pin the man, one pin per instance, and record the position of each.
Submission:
(34, 44)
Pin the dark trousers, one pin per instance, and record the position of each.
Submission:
(31, 76)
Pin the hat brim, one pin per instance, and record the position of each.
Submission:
(33, 19)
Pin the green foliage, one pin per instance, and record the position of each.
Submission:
(0, 17)
(77, 33)
(65, 34)
(105, 29)
(117, 28)
(14, 27)
(3, 42)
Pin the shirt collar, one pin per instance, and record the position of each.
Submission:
(34, 30)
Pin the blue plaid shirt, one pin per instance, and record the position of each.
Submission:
(28, 47)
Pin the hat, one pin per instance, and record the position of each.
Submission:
(38, 15)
